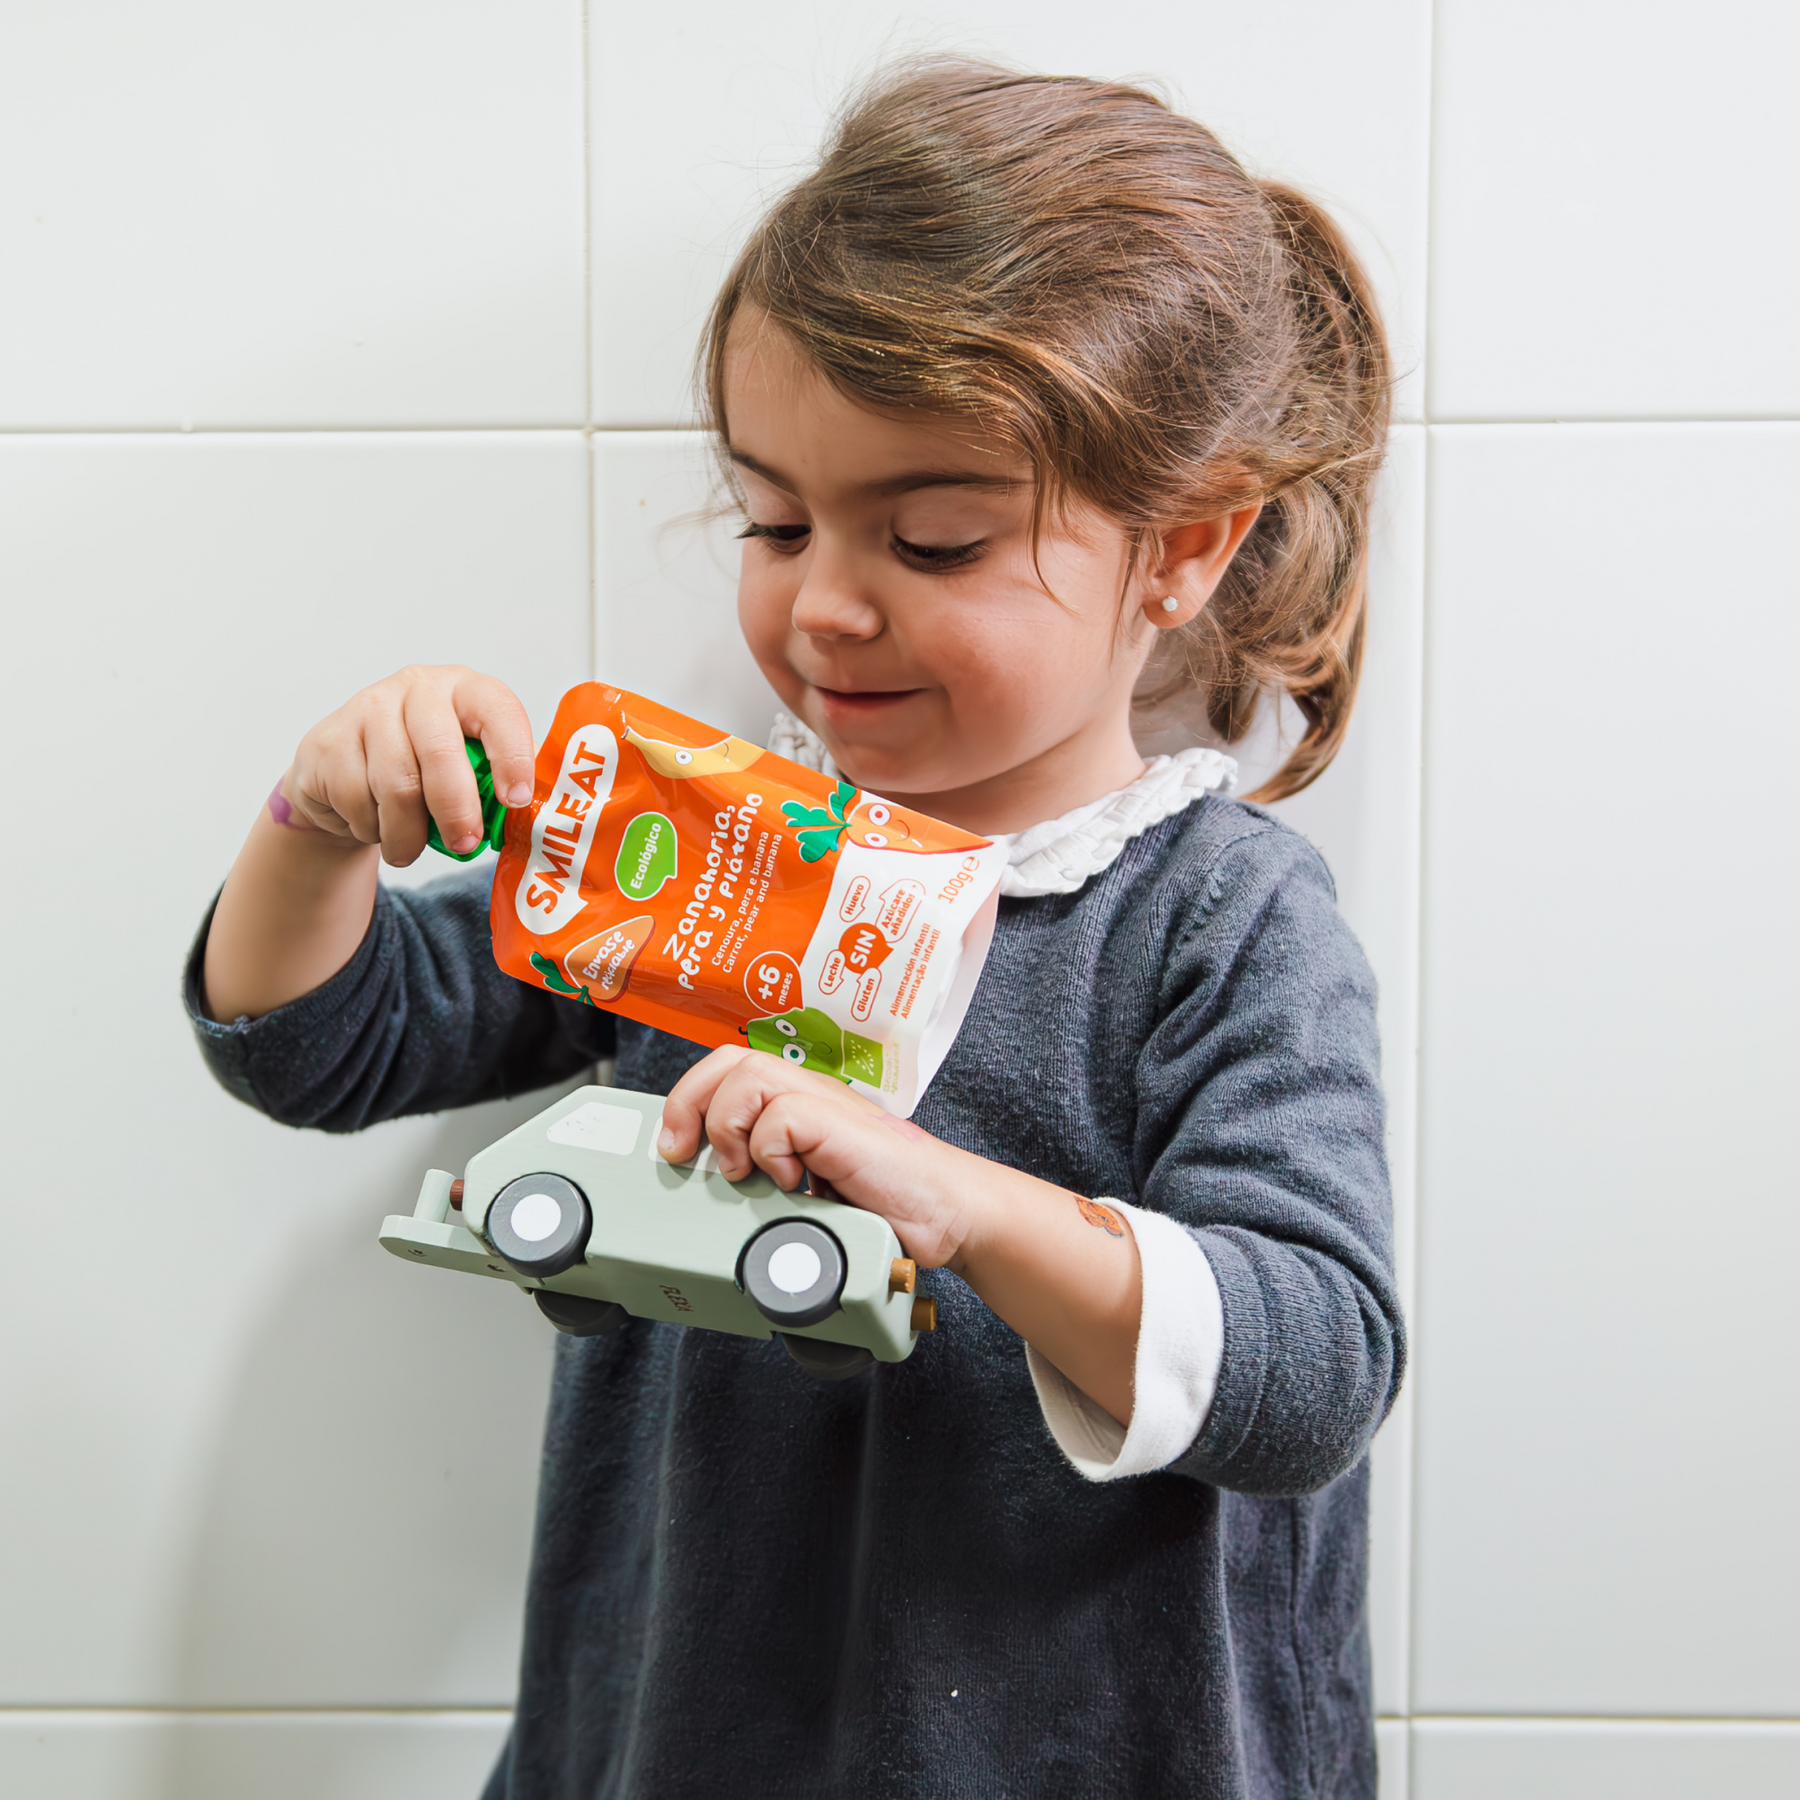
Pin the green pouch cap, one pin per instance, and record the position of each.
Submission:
(493, 814)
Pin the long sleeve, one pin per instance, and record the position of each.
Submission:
(1259, 1131)
(1181, 1338)
(420, 1019)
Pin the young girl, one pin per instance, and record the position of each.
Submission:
(1035, 403)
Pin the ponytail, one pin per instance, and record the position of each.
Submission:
(1288, 617)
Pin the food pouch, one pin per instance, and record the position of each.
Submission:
(684, 878)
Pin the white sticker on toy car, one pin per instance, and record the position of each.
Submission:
(597, 1126)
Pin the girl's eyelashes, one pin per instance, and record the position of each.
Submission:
(931, 558)
(938, 556)
(788, 537)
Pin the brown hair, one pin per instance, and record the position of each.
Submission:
(1096, 278)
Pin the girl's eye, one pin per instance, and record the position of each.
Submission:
(778, 537)
(938, 556)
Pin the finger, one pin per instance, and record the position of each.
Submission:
(736, 1104)
(684, 1112)
(787, 1130)
(329, 783)
(757, 1082)
(753, 1083)
(824, 1136)
(311, 813)
(434, 736)
(393, 781)
(489, 710)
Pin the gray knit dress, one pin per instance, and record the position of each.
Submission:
(750, 1583)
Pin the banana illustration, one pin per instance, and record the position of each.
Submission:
(683, 762)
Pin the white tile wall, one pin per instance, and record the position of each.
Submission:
(1610, 187)
(1334, 97)
(349, 212)
(264, 1467)
(1607, 1320)
(1580, 1759)
(268, 1464)
(235, 1756)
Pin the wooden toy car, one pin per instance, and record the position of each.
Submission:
(578, 1208)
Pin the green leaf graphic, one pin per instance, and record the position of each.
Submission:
(802, 817)
(553, 979)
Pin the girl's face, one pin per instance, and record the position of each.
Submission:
(890, 593)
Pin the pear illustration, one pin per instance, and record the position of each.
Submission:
(815, 1041)
(805, 1036)
(684, 761)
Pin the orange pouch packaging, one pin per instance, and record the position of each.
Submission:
(687, 879)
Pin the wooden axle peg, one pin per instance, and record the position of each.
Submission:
(903, 1277)
(456, 1191)
(924, 1314)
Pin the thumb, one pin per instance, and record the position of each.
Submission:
(491, 711)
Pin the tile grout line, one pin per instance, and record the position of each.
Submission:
(587, 222)
(1580, 421)
(216, 431)
(1421, 1083)
(150, 1710)
(591, 458)
(689, 428)
(1410, 1501)
(1433, 74)
(1643, 1721)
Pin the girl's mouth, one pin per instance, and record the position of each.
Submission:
(841, 703)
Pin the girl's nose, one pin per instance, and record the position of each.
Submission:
(832, 604)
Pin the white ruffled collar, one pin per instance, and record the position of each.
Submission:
(1063, 854)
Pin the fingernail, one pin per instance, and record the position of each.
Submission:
(666, 1141)
(519, 794)
(465, 843)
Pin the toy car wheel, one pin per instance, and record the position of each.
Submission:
(794, 1272)
(828, 1362)
(540, 1224)
(578, 1315)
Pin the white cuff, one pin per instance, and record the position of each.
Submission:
(1181, 1340)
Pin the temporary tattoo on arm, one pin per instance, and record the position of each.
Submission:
(281, 810)
(1102, 1216)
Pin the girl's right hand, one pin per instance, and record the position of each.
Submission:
(384, 765)
(301, 894)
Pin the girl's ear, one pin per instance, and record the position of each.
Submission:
(1191, 565)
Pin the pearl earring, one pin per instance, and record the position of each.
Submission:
(1171, 604)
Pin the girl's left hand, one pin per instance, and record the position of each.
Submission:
(1061, 1270)
(759, 1111)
